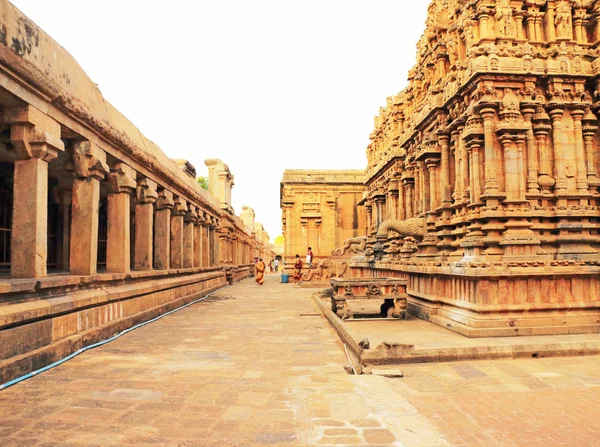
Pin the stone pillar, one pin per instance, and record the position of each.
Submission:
(541, 128)
(408, 185)
(511, 170)
(144, 224)
(198, 239)
(475, 180)
(36, 141)
(445, 190)
(162, 230)
(456, 149)
(559, 162)
(214, 252)
(122, 185)
(205, 242)
(369, 212)
(491, 183)
(582, 185)
(177, 214)
(89, 164)
(533, 186)
(590, 128)
(379, 210)
(550, 29)
(392, 199)
(188, 237)
(64, 199)
(401, 201)
(433, 185)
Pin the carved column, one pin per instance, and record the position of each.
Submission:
(533, 186)
(392, 198)
(473, 149)
(162, 229)
(188, 237)
(177, 214)
(445, 185)
(118, 252)
(559, 159)
(379, 210)
(550, 29)
(491, 183)
(408, 186)
(198, 239)
(511, 168)
(589, 130)
(369, 209)
(541, 128)
(582, 185)
(35, 139)
(433, 185)
(401, 201)
(205, 241)
(214, 253)
(89, 164)
(144, 224)
(456, 149)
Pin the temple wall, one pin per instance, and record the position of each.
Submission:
(99, 229)
(319, 211)
(488, 162)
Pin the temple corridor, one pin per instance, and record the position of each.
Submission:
(254, 366)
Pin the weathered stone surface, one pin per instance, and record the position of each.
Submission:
(319, 211)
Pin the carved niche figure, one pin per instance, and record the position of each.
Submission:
(353, 244)
(562, 21)
(504, 19)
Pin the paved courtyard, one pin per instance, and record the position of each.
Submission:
(258, 365)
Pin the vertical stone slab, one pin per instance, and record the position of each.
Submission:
(29, 245)
(89, 165)
(198, 239)
(123, 184)
(205, 242)
(177, 233)
(144, 223)
(35, 138)
(188, 237)
(162, 228)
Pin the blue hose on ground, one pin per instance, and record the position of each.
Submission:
(100, 343)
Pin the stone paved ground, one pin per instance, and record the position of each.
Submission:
(257, 366)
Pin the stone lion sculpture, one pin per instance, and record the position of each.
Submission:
(354, 245)
(326, 269)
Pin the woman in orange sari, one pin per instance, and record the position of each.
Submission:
(260, 267)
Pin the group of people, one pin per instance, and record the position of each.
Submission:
(276, 265)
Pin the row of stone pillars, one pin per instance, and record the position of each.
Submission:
(168, 230)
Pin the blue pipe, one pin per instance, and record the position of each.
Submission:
(100, 343)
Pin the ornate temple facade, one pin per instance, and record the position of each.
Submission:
(482, 183)
(319, 210)
(99, 229)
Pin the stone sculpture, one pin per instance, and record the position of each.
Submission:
(354, 245)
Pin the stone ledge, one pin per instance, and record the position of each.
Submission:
(12, 314)
(19, 365)
(391, 353)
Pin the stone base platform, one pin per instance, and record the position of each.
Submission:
(417, 341)
(79, 311)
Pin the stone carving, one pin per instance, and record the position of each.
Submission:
(325, 270)
(411, 227)
(504, 19)
(562, 21)
(353, 244)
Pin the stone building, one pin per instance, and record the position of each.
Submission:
(319, 210)
(99, 229)
(482, 187)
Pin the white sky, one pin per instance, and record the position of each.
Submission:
(264, 85)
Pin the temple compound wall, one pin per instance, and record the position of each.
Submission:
(482, 179)
(99, 229)
(319, 211)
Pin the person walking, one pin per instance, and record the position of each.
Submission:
(260, 272)
(276, 265)
(309, 258)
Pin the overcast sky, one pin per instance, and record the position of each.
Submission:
(264, 85)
